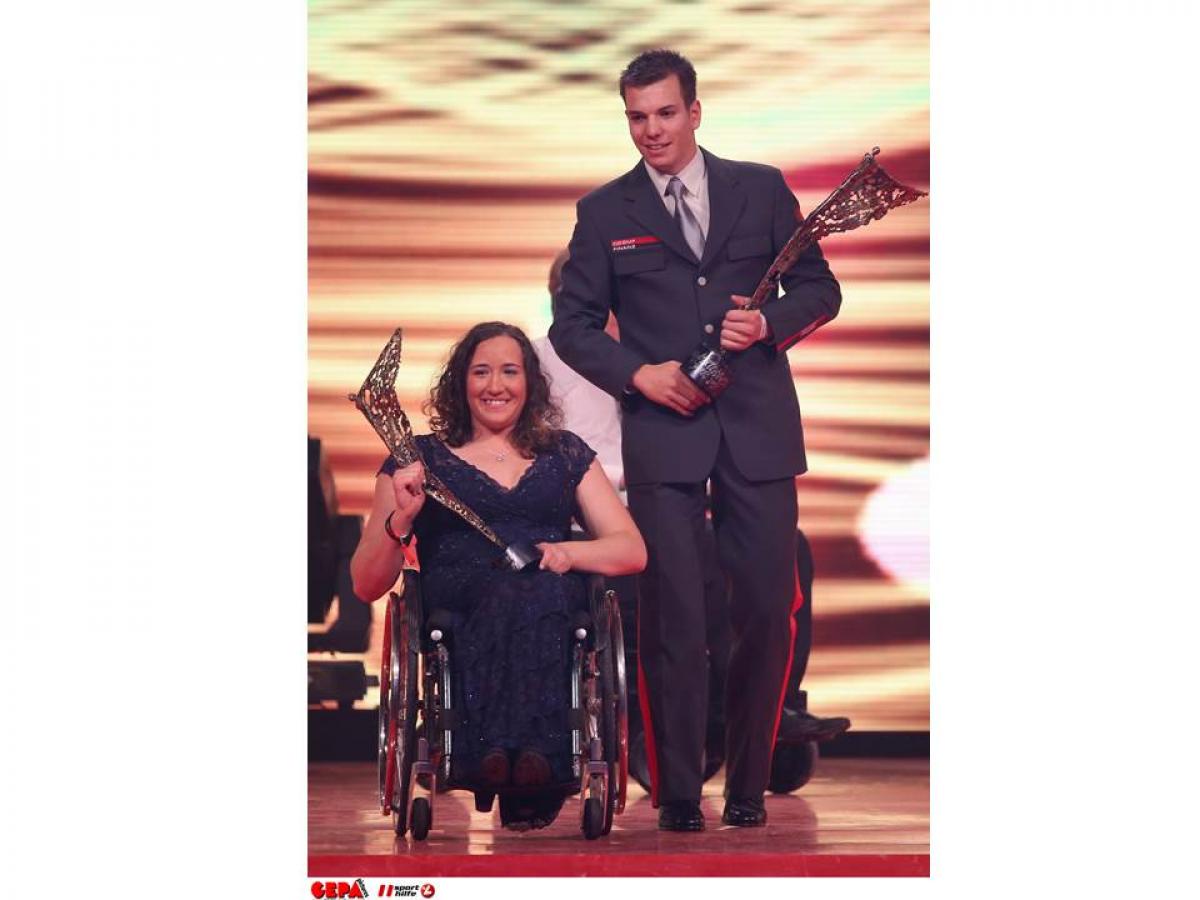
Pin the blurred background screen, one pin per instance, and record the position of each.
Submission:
(448, 144)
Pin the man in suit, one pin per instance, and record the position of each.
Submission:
(673, 247)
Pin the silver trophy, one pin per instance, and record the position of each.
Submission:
(377, 400)
(867, 193)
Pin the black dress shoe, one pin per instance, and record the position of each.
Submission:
(801, 727)
(744, 812)
(680, 817)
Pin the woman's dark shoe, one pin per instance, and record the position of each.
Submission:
(493, 768)
(744, 812)
(546, 810)
(530, 812)
(680, 817)
(532, 769)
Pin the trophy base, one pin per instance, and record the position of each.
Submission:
(521, 556)
(708, 369)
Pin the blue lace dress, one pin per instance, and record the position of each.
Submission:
(510, 629)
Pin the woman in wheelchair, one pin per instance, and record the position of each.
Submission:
(495, 445)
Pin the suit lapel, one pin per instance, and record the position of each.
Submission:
(650, 212)
(726, 200)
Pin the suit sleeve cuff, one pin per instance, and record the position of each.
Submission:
(630, 363)
(764, 331)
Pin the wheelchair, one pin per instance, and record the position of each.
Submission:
(418, 713)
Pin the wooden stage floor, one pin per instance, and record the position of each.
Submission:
(856, 817)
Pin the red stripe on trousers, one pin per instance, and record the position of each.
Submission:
(797, 603)
(647, 723)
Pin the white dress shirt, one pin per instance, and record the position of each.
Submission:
(588, 411)
(695, 188)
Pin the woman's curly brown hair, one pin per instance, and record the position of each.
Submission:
(450, 415)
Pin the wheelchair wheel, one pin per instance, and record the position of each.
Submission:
(605, 807)
(387, 724)
(422, 818)
(617, 652)
(593, 819)
(606, 725)
(792, 766)
(615, 718)
(398, 702)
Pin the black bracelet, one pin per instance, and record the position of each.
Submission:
(387, 526)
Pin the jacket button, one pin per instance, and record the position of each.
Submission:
(708, 329)
(702, 281)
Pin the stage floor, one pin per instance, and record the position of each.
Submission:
(855, 817)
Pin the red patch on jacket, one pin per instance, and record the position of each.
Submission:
(632, 243)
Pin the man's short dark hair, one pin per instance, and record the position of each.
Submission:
(655, 65)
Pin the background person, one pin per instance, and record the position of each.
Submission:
(587, 410)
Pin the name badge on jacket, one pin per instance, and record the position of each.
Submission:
(633, 243)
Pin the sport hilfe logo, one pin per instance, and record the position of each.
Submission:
(401, 890)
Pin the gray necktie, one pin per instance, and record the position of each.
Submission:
(686, 219)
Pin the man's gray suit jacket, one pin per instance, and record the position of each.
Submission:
(628, 254)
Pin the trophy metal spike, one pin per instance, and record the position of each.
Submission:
(377, 401)
(865, 194)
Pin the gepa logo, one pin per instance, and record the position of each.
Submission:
(335, 890)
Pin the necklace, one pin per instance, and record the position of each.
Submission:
(497, 455)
